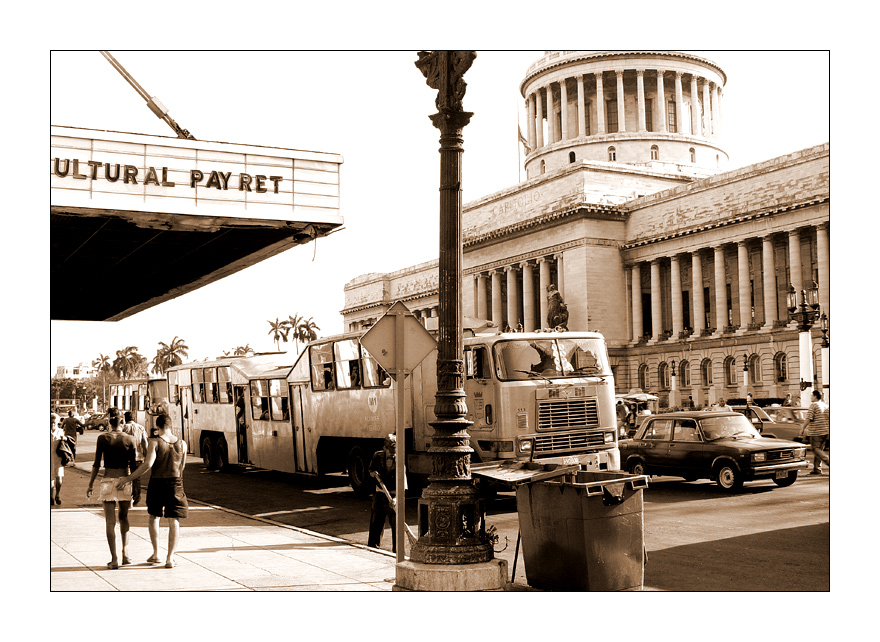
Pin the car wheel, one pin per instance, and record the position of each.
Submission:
(787, 481)
(728, 477)
(636, 467)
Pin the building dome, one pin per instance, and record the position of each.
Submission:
(602, 106)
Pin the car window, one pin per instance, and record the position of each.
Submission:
(686, 430)
(660, 429)
(719, 427)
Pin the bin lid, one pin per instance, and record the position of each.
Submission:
(515, 473)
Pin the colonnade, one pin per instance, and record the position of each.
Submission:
(511, 295)
(679, 308)
(668, 115)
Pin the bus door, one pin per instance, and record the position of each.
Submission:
(186, 409)
(238, 396)
(299, 431)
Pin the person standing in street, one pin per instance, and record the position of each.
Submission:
(72, 426)
(117, 450)
(787, 400)
(139, 435)
(56, 434)
(382, 468)
(817, 428)
(165, 459)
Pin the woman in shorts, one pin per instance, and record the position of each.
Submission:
(118, 452)
(56, 472)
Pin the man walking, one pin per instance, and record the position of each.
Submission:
(71, 427)
(817, 428)
(139, 435)
(165, 459)
(382, 468)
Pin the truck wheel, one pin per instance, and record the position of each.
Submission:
(358, 476)
(728, 477)
(787, 481)
(209, 456)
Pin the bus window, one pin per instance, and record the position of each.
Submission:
(212, 393)
(278, 400)
(142, 396)
(322, 366)
(260, 399)
(198, 385)
(126, 402)
(224, 377)
(374, 375)
(348, 373)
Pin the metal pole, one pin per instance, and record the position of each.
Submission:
(400, 453)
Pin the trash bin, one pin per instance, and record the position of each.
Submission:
(583, 532)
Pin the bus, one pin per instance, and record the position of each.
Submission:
(144, 398)
(544, 397)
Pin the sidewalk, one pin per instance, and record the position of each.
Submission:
(218, 550)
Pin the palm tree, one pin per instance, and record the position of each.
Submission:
(102, 363)
(127, 362)
(307, 330)
(293, 325)
(169, 354)
(277, 330)
(244, 350)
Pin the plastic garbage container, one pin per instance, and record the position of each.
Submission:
(583, 532)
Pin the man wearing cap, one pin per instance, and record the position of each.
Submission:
(382, 467)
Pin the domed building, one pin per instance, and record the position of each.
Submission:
(628, 211)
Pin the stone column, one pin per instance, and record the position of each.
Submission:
(543, 283)
(675, 287)
(582, 107)
(660, 106)
(637, 328)
(560, 274)
(697, 287)
(744, 285)
(640, 94)
(482, 311)
(528, 296)
(679, 104)
(720, 290)
(497, 310)
(822, 264)
(656, 302)
(695, 107)
(794, 261)
(769, 277)
(600, 104)
(563, 108)
(532, 116)
(512, 298)
(621, 108)
(707, 114)
(539, 123)
(719, 125)
(715, 132)
(552, 132)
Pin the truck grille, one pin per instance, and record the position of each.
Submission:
(564, 414)
(567, 442)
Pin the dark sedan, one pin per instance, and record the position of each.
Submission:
(722, 446)
(99, 420)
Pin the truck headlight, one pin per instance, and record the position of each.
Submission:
(759, 457)
(525, 446)
(609, 437)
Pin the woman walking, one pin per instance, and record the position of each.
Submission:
(118, 452)
(56, 473)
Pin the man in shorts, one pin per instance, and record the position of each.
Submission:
(165, 459)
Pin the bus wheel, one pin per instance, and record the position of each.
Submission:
(361, 482)
(208, 453)
(222, 451)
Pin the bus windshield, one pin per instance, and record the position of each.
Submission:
(550, 358)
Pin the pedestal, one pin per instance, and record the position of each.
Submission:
(483, 576)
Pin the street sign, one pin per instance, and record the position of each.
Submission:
(398, 341)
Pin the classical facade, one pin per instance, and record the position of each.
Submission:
(684, 268)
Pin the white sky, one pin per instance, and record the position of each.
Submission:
(372, 108)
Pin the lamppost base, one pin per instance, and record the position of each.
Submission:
(484, 576)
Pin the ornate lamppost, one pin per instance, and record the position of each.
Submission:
(804, 313)
(451, 517)
(673, 392)
(825, 345)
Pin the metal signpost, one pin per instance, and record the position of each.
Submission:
(399, 342)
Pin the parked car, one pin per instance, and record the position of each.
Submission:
(763, 422)
(718, 445)
(99, 420)
(788, 422)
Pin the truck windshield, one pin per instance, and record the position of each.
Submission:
(550, 358)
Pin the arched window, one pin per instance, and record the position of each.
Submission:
(655, 152)
(663, 375)
(571, 157)
(730, 371)
(755, 369)
(684, 373)
(542, 167)
(612, 154)
(693, 154)
(780, 363)
(706, 372)
(643, 377)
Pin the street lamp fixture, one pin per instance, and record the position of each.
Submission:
(823, 326)
(805, 313)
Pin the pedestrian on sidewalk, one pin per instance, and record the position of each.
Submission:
(56, 474)
(165, 459)
(117, 450)
(816, 427)
(139, 435)
(383, 469)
